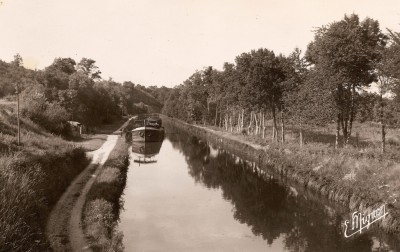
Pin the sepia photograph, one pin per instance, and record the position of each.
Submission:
(200, 125)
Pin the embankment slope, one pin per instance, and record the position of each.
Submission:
(33, 176)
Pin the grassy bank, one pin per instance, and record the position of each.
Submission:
(32, 178)
(103, 204)
(358, 178)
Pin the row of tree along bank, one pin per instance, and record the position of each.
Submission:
(324, 85)
(302, 108)
(324, 172)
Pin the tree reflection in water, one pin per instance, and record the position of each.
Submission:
(268, 207)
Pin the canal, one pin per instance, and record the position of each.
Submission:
(193, 196)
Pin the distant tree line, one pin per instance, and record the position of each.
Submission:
(70, 91)
(326, 84)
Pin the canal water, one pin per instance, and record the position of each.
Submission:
(191, 195)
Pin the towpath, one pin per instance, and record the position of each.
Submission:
(64, 227)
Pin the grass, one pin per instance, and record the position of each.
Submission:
(360, 165)
(32, 178)
(90, 142)
(103, 204)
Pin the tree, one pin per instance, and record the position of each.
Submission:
(385, 82)
(65, 65)
(366, 104)
(88, 67)
(18, 62)
(56, 76)
(225, 91)
(294, 97)
(50, 115)
(84, 95)
(261, 74)
(344, 52)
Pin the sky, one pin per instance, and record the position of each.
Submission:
(163, 42)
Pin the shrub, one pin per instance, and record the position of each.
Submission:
(51, 116)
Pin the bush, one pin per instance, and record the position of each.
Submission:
(51, 116)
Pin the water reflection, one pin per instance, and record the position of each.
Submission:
(269, 208)
(199, 197)
(145, 152)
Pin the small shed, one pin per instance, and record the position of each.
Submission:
(76, 127)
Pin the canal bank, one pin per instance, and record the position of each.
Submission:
(274, 159)
(103, 203)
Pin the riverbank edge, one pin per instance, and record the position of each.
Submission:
(103, 203)
(345, 196)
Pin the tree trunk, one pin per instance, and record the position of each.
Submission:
(347, 122)
(238, 122)
(274, 126)
(383, 145)
(260, 124)
(220, 119)
(301, 134)
(337, 132)
(255, 118)
(241, 125)
(282, 127)
(216, 115)
(383, 133)
(352, 112)
(230, 122)
(250, 123)
(263, 125)
(343, 123)
(226, 121)
(273, 133)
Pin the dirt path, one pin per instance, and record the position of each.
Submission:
(64, 229)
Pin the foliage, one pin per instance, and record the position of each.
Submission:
(31, 181)
(66, 91)
(50, 115)
(325, 85)
(88, 67)
(135, 94)
(344, 53)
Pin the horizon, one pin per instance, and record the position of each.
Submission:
(162, 43)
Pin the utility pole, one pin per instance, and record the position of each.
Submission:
(17, 63)
(19, 130)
